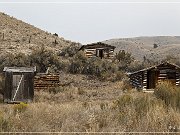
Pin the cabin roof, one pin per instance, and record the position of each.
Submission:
(19, 69)
(153, 67)
(96, 45)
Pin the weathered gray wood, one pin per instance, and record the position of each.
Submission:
(8, 86)
(18, 88)
(98, 50)
(164, 71)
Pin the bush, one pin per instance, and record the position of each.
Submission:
(69, 51)
(135, 66)
(155, 45)
(123, 56)
(43, 58)
(20, 107)
(102, 68)
(169, 94)
(14, 60)
(78, 62)
(124, 59)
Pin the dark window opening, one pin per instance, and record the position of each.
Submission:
(99, 53)
(171, 75)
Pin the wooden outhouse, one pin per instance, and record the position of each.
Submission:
(98, 49)
(19, 84)
(147, 79)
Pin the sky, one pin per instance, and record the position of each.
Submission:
(88, 21)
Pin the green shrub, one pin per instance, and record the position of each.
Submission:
(69, 51)
(135, 66)
(155, 45)
(102, 68)
(123, 56)
(14, 60)
(43, 58)
(124, 59)
(20, 107)
(78, 63)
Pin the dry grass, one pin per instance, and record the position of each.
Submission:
(169, 94)
(71, 110)
(86, 117)
(82, 104)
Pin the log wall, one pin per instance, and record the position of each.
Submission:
(92, 53)
(136, 80)
(46, 81)
(166, 73)
(144, 80)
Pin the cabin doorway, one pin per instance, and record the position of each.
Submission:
(152, 79)
(100, 53)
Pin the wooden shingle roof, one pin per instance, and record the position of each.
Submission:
(153, 67)
(19, 69)
(96, 45)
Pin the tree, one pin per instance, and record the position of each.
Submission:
(155, 45)
(10, 59)
(124, 57)
(70, 51)
(43, 58)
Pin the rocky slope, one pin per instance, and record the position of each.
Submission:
(144, 46)
(17, 36)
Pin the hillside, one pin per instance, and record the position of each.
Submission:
(144, 46)
(93, 95)
(18, 36)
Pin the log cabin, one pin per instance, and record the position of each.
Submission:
(98, 49)
(18, 84)
(43, 81)
(147, 79)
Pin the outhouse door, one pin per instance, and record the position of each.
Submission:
(18, 87)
